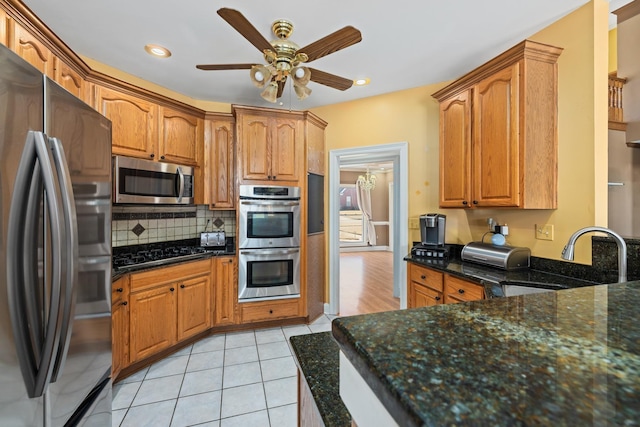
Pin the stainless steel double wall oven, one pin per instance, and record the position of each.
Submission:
(269, 242)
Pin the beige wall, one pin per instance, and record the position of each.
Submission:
(412, 116)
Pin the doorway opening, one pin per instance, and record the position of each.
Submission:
(396, 154)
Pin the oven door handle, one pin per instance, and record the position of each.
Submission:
(255, 202)
(275, 251)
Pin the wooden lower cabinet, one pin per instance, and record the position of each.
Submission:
(269, 310)
(427, 287)
(460, 290)
(226, 291)
(119, 325)
(168, 305)
(424, 285)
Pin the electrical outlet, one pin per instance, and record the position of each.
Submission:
(544, 231)
(414, 223)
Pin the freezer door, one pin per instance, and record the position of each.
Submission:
(85, 138)
(21, 109)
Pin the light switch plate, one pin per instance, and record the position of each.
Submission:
(544, 231)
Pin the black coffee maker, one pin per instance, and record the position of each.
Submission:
(432, 234)
(432, 229)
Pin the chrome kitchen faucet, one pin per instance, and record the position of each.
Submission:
(567, 252)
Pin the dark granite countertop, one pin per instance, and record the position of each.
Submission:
(317, 359)
(570, 357)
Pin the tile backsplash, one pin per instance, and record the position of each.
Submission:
(139, 226)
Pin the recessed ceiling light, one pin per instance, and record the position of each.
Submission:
(362, 82)
(156, 50)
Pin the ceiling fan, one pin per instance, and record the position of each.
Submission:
(284, 57)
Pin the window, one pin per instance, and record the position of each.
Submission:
(352, 230)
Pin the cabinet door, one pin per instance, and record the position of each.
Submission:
(315, 147)
(69, 79)
(153, 321)
(194, 305)
(255, 147)
(226, 292)
(120, 325)
(4, 25)
(286, 140)
(32, 50)
(422, 296)
(134, 130)
(219, 165)
(496, 169)
(180, 137)
(455, 151)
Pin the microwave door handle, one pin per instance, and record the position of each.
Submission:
(70, 254)
(36, 360)
(180, 184)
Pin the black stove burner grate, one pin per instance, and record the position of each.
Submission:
(159, 256)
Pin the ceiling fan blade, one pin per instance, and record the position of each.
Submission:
(280, 88)
(330, 80)
(210, 67)
(334, 42)
(244, 27)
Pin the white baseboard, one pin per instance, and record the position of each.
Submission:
(364, 248)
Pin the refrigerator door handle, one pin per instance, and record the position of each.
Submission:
(36, 358)
(69, 255)
(180, 184)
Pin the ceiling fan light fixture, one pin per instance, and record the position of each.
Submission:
(259, 75)
(301, 91)
(301, 75)
(270, 93)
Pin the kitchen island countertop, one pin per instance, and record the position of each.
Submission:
(570, 357)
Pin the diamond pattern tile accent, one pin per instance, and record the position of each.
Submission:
(138, 229)
(218, 222)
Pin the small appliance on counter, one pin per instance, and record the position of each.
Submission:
(432, 234)
(432, 229)
(503, 257)
(213, 239)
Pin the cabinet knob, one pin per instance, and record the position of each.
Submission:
(124, 303)
(119, 290)
(230, 261)
(270, 311)
(162, 157)
(172, 289)
(464, 202)
(423, 277)
(461, 291)
(152, 155)
(182, 286)
(475, 202)
(437, 298)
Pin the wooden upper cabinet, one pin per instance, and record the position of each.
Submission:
(181, 135)
(455, 150)
(496, 172)
(498, 132)
(4, 24)
(31, 49)
(134, 129)
(69, 79)
(269, 146)
(315, 144)
(219, 164)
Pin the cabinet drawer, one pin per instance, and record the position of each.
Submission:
(268, 310)
(423, 296)
(162, 275)
(461, 290)
(426, 277)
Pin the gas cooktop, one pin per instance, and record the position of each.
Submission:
(139, 256)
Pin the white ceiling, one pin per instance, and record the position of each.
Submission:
(406, 43)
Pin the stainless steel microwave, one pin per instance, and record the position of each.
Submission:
(145, 182)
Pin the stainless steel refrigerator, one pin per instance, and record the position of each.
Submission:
(55, 256)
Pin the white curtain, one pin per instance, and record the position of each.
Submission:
(363, 197)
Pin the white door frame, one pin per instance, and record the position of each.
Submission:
(398, 153)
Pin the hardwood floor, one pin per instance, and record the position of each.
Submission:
(366, 283)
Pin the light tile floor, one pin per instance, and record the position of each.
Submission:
(243, 379)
